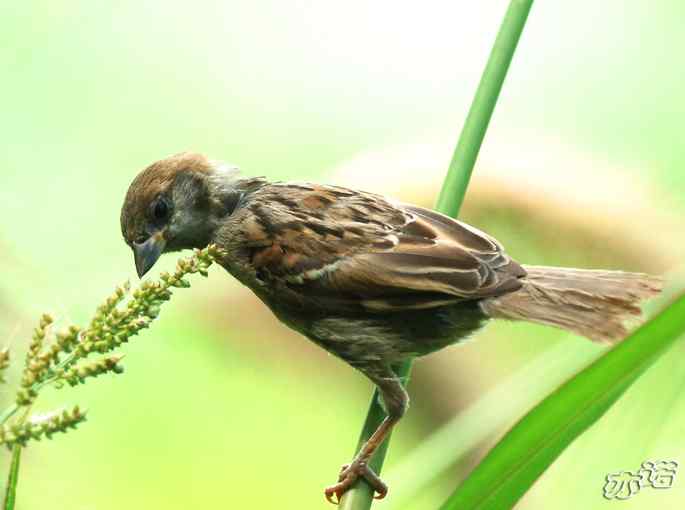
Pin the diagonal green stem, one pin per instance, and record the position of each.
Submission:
(12, 410)
(471, 138)
(360, 497)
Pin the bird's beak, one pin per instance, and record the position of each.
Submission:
(147, 253)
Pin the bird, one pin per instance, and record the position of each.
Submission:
(372, 280)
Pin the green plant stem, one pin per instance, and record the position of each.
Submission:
(12, 479)
(453, 190)
(11, 411)
(450, 199)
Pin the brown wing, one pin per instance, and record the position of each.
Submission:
(360, 249)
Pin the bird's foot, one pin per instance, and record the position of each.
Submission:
(349, 474)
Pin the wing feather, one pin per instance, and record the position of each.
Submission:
(362, 250)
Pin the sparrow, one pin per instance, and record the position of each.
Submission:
(372, 280)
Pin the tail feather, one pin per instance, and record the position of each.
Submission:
(596, 304)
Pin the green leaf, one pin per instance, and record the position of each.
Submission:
(451, 198)
(523, 454)
(12, 479)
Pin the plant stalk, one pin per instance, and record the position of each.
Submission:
(454, 188)
(451, 197)
(11, 411)
(12, 479)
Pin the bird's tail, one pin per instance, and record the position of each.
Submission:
(592, 303)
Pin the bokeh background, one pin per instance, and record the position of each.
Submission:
(220, 405)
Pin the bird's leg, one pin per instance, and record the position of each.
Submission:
(395, 401)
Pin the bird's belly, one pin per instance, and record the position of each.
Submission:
(363, 338)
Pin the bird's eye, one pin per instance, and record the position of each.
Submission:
(160, 210)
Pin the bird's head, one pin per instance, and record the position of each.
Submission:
(174, 204)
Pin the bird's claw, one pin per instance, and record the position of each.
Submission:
(349, 474)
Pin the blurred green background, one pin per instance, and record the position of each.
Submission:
(220, 405)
